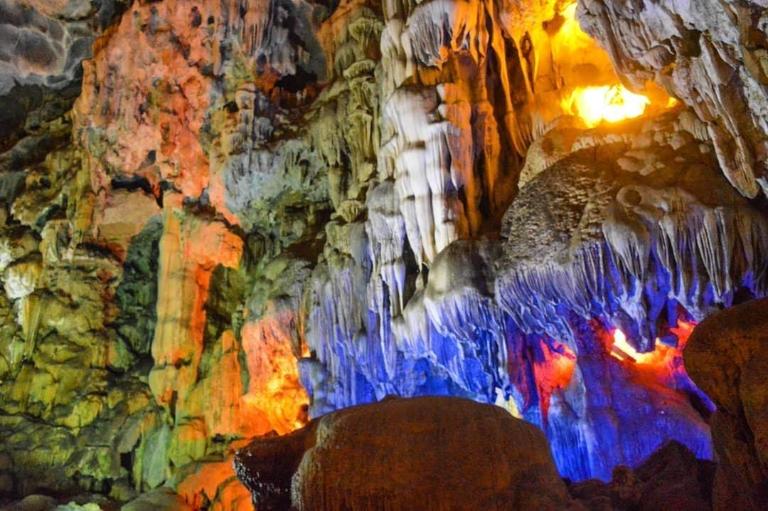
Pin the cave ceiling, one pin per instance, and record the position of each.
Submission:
(222, 219)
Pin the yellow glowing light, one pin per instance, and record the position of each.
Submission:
(608, 103)
(595, 96)
(569, 13)
(622, 350)
(571, 31)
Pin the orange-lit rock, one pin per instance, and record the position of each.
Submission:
(565, 71)
(274, 387)
(190, 249)
(663, 365)
(203, 385)
(217, 397)
(215, 485)
(247, 182)
(558, 57)
(144, 101)
(423, 453)
(274, 399)
(123, 217)
(553, 371)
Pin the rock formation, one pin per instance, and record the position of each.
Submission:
(222, 219)
(726, 356)
(671, 478)
(711, 56)
(424, 453)
(434, 453)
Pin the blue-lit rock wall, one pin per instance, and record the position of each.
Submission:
(575, 319)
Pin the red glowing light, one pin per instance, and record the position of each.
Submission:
(683, 331)
(662, 358)
(553, 372)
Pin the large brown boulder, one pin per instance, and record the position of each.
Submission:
(424, 453)
(726, 356)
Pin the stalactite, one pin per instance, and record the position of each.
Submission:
(246, 214)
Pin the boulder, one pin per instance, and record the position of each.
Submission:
(32, 503)
(422, 453)
(726, 357)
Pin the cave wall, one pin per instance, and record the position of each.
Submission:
(221, 218)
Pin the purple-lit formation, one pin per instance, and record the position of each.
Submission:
(576, 319)
(225, 224)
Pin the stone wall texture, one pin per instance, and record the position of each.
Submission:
(221, 219)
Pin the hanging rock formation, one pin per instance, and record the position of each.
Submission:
(222, 219)
(709, 54)
(43, 46)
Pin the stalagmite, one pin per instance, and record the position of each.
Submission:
(231, 220)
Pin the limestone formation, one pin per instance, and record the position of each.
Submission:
(726, 358)
(42, 47)
(423, 453)
(709, 54)
(223, 219)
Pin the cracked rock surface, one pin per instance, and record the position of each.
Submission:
(223, 220)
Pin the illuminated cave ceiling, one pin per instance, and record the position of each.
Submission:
(224, 217)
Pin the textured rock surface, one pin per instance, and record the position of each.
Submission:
(43, 46)
(726, 357)
(711, 55)
(122, 355)
(245, 213)
(425, 453)
(267, 466)
(672, 478)
(628, 228)
(621, 249)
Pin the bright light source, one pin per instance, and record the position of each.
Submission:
(607, 103)
(661, 355)
(622, 350)
(605, 99)
(570, 32)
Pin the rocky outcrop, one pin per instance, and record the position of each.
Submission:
(389, 453)
(123, 300)
(465, 77)
(425, 453)
(672, 478)
(726, 358)
(267, 466)
(592, 261)
(257, 212)
(43, 47)
(709, 54)
(65, 374)
(626, 231)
